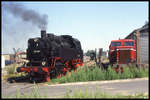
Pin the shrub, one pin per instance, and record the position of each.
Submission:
(11, 69)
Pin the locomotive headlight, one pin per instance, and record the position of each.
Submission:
(37, 44)
(43, 63)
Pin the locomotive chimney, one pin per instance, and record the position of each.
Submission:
(43, 33)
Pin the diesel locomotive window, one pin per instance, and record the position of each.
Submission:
(116, 44)
(128, 43)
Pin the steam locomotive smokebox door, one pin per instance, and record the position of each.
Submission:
(68, 53)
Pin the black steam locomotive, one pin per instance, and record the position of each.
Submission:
(52, 55)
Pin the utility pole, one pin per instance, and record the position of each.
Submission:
(99, 57)
(95, 56)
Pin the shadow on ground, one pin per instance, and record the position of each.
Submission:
(23, 79)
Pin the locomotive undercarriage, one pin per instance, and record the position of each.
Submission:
(55, 69)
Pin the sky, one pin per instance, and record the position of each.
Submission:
(94, 24)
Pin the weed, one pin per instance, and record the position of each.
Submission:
(95, 73)
(11, 69)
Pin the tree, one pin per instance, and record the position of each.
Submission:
(88, 53)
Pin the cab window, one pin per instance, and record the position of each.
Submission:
(128, 43)
(116, 44)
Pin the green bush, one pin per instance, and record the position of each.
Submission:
(11, 69)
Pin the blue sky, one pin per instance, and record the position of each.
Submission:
(95, 24)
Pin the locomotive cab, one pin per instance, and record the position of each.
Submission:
(122, 51)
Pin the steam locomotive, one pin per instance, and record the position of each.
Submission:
(52, 56)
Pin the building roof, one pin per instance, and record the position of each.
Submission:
(146, 26)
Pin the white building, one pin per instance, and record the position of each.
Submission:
(3, 61)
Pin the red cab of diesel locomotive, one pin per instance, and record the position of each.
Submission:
(122, 51)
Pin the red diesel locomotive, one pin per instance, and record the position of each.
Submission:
(122, 51)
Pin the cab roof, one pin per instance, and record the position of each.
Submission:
(122, 40)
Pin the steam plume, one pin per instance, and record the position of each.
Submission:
(19, 10)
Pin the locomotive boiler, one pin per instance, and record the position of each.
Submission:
(51, 56)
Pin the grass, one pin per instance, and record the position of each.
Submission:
(11, 72)
(76, 94)
(11, 69)
(94, 74)
(105, 95)
(33, 94)
(87, 74)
